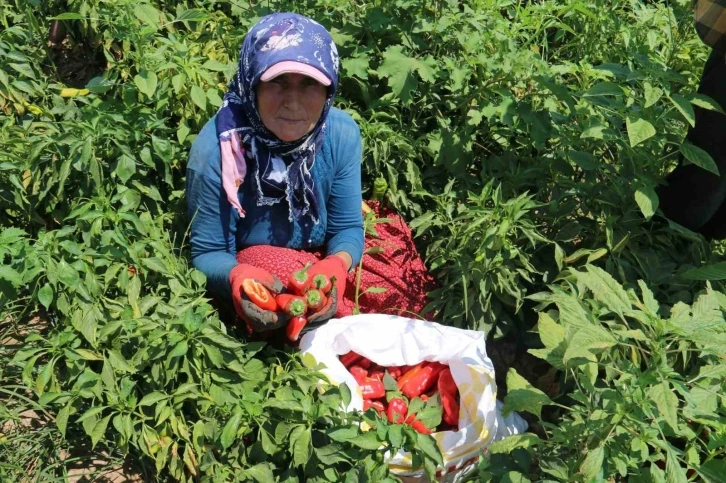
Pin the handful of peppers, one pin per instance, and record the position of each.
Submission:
(305, 299)
(423, 396)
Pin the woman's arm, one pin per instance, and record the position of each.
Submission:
(212, 228)
(344, 235)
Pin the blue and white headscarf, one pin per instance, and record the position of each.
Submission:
(282, 169)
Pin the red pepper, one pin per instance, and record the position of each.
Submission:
(364, 362)
(322, 282)
(424, 397)
(420, 427)
(377, 375)
(449, 398)
(394, 371)
(372, 389)
(299, 281)
(295, 326)
(396, 411)
(409, 374)
(291, 304)
(422, 381)
(350, 358)
(315, 299)
(377, 405)
(359, 374)
(258, 294)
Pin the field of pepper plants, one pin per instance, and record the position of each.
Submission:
(522, 141)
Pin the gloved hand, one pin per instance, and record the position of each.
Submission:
(256, 318)
(332, 266)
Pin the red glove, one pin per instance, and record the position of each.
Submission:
(256, 318)
(332, 266)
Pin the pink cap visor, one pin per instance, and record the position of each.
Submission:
(292, 67)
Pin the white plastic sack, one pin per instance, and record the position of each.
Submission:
(390, 340)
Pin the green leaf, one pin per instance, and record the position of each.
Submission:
(61, 419)
(125, 168)
(67, 274)
(119, 363)
(674, 472)
(428, 445)
(68, 16)
(652, 94)
(399, 69)
(604, 89)
(522, 396)
(261, 473)
(199, 97)
(146, 82)
(180, 349)
(553, 336)
(685, 108)
(714, 271)
(192, 15)
(344, 434)
(509, 444)
(592, 465)
(148, 14)
(356, 66)
(395, 435)
(647, 200)
(88, 355)
(514, 477)
(345, 394)
(605, 289)
(289, 405)
(713, 470)
(90, 413)
(699, 157)
(302, 448)
(153, 398)
(639, 131)
(223, 340)
(215, 65)
(45, 295)
(183, 131)
(705, 102)
(99, 430)
(667, 403)
(229, 433)
(368, 440)
(585, 161)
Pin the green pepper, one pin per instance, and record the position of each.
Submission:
(380, 186)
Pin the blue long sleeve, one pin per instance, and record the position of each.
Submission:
(217, 231)
(345, 222)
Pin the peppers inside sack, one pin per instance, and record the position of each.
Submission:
(258, 294)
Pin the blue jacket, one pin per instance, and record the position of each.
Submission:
(218, 232)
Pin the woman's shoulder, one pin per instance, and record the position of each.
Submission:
(204, 156)
(340, 123)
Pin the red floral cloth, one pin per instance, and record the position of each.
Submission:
(398, 269)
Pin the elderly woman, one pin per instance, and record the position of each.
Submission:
(274, 179)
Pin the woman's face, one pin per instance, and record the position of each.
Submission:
(290, 105)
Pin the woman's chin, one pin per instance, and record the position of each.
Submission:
(290, 136)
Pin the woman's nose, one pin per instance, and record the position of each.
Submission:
(292, 96)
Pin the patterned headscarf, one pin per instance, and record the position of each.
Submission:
(282, 169)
